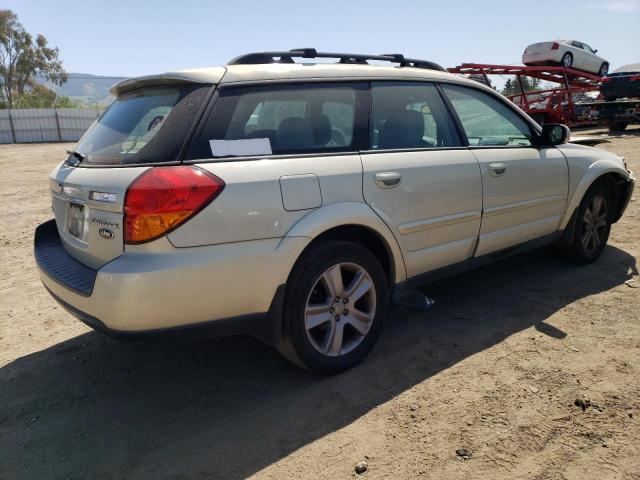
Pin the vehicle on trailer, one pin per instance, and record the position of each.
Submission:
(294, 200)
(617, 115)
(624, 82)
(566, 53)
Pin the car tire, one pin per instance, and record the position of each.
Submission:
(604, 69)
(593, 225)
(567, 60)
(618, 126)
(321, 330)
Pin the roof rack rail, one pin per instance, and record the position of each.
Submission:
(345, 58)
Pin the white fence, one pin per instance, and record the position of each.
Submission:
(45, 124)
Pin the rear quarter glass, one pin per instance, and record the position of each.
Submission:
(145, 125)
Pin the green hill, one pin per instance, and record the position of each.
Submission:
(85, 88)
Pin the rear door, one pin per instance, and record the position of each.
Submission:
(419, 178)
(524, 188)
(581, 59)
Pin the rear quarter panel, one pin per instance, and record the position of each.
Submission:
(251, 204)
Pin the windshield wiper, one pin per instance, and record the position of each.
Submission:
(77, 155)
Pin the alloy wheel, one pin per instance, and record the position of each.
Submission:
(594, 224)
(340, 309)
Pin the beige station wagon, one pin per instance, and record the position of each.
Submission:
(295, 200)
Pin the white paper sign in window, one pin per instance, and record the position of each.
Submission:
(240, 148)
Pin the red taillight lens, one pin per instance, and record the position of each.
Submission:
(635, 78)
(555, 46)
(164, 197)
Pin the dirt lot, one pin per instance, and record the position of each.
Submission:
(494, 367)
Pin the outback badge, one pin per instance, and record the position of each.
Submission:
(105, 233)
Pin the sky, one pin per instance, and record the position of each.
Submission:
(130, 38)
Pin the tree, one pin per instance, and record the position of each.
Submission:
(39, 96)
(22, 58)
(512, 87)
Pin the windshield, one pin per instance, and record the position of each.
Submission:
(146, 125)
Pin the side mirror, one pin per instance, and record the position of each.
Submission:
(553, 134)
(595, 51)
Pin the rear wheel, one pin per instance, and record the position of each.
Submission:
(593, 225)
(336, 303)
(567, 60)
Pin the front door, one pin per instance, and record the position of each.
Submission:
(419, 179)
(524, 188)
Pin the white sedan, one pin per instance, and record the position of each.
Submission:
(568, 53)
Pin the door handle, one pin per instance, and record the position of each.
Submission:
(387, 179)
(497, 169)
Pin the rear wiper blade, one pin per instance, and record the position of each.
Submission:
(77, 155)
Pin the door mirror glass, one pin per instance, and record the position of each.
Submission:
(554, 134)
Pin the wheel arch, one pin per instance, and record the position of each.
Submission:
(357, 223)
(609, 174)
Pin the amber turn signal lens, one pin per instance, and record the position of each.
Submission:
(162, 198)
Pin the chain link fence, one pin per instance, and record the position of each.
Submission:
(45, 124)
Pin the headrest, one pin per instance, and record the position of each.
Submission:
(402, 129)
(321, 126)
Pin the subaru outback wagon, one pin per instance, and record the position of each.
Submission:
(294, 200)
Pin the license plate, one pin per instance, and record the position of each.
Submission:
(75, 220)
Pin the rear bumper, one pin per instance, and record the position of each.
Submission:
(265, 327)
(542, 57)
(221, 289)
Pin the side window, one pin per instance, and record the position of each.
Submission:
(409, 115)
(587, 48)
(577, 44)
(487, 121)
(285, 119)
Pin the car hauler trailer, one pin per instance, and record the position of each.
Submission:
(553, 105)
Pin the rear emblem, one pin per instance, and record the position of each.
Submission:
(105, 233)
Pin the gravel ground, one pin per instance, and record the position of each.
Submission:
(525, 369)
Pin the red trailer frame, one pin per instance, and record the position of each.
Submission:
(554, 105)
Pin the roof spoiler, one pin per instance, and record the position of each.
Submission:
(198, 75)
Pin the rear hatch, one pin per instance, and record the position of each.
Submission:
(147, 125)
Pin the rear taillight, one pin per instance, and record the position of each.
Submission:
(635, 78)
(164, 197)
(555, 46)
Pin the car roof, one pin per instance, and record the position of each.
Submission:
(289, 71)
(632, 68)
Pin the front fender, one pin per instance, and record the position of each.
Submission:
(350, 213)
(591, 174)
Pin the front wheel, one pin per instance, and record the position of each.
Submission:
(593, 225)
(335, 306)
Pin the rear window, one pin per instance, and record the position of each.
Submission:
(280, 119)
(146, 125)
